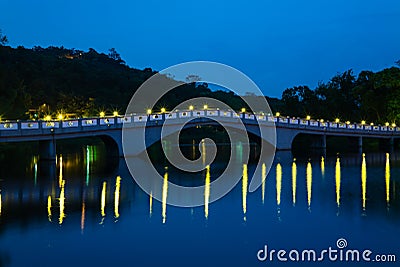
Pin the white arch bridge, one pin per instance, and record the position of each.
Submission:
(109, 129)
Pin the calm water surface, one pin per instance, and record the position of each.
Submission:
(86, 210)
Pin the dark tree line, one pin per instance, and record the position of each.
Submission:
(370, 96)
(79, 83)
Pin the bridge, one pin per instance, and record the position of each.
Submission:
(109, 129)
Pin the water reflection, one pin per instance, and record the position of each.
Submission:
(364, 181)
(294, 181)
(337, 181)
(164, 197)
(69, 193)
(323, 167)
(309, 183)
(278, 183)
(62, 202)
(387, 178)
(207, 191)
(244, 190)
(263, 178)
(151, 204)
(60, 176)
(116, 196)
(49, 208)
(103, 200)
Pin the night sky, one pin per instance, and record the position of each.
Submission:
(278, 44)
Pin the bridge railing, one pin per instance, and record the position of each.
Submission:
(140, 119)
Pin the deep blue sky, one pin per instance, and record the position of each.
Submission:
(278, 44)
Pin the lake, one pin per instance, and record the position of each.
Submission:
(86, 210)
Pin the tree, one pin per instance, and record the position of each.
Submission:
(397, 63)
(3, 39)
(113, 54)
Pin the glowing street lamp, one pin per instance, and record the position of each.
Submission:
(393, 124)
(277, 114)
(60, 116)
(308, 117)
(115, 113)
(102, 114)
(205, 107)
(347, 122)
(191, 107)
(363, 122)
(386, 124)
(148, 112)
(337, 120)
(163, 110)
(243, 110)
(372, 124)
(47, 118)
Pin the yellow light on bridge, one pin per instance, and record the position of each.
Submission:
(386, 124)
(148, 111)
(372, 124)
(308, 117)
(191, 107)
(102, 114)
(163, 110)
(393, 124)
(347, 122)
(321, 120)
(60, 116)
(243, 110)
(363, 122)
(277, 114)
(47, 118)
(115, 113)
(337, 120)
(205, 107)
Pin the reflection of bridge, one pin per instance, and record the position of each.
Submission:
(109, 128)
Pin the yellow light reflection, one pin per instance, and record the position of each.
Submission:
(0, 204)
(309, 183)
(62, 202)
(263, 177)
(151, 204)
(103, 199)
(323, 167)
(116, 196)
(364, 180)
(387, 178)
(164, 197)
(207, 191)
(338, 181)
(49, 207)
(244, 190)
(278, 183)
(294, 181)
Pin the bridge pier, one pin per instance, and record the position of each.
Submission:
(47, 150)
(360, 143)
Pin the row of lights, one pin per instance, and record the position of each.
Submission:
(337, 120)
(102, 114)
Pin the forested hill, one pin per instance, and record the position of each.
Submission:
(83, 83)
(64, 79)
(55, 79)
(374, 97)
